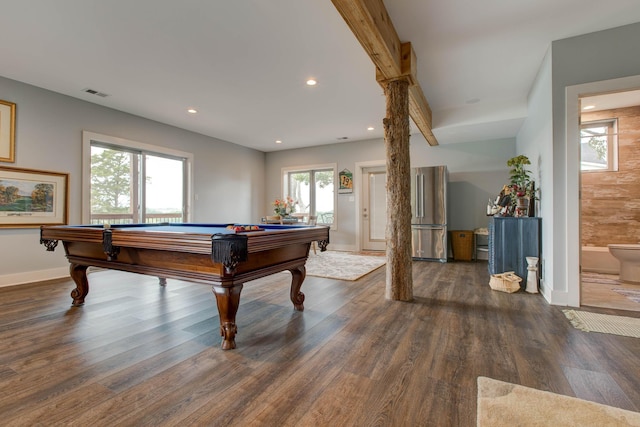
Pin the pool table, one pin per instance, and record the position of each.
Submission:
(216, 254)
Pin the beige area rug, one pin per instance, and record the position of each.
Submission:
(604, 323)
(505, 404)
(342, 265)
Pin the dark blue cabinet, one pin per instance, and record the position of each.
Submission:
(511, 240)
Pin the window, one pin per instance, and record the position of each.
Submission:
(313, 190)
(128, 182)
(599, 146)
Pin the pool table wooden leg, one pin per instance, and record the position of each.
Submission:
(79, 275)
(228, 300)
(297, 277)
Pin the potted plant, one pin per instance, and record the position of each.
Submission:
(522, 188)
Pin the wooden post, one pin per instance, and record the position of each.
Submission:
(399, 281)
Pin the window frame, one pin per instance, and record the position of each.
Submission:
(284, 181)
(138, 148)
(612, 143)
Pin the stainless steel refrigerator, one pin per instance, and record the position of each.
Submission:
(429, 213)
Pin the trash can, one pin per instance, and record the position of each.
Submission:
(462, 245)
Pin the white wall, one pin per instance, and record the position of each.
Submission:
(535, 141)
(228, 179)
(477, 171)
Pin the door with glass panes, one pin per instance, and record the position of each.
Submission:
(132, 186)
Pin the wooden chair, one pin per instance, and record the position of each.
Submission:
(273, 219)
(300, 216)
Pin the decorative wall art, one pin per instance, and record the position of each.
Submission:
(31, 198)
(7, 131)
(346, 182)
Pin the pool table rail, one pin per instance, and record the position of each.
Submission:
(226, 260)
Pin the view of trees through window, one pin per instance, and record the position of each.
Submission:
(131, 187)
(111, 175)
(313, 191)
(597, 147)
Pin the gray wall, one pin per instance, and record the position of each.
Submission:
(477, 172)
(590, 58)
(602, 55)
(535, 140)
(228, 179)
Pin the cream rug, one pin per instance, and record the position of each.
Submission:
(607, 324)
(505, 404)
(342, 265)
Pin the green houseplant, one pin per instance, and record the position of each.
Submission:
(520, 177)
(522, 188)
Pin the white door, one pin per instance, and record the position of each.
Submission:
(374, 208)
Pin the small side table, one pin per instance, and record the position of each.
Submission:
(480, 245)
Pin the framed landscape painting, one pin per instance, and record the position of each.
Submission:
(31, 198)
(7, 131)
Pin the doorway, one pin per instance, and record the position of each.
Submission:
(373, 211)
(609, 129)
(569, 270)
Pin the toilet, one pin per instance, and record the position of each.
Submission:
(629, 257)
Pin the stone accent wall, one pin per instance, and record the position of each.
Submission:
(611, 200)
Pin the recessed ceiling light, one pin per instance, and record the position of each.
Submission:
(588, 107)
(192, 111)
(312, 82)
(370, 128)
(278, 141)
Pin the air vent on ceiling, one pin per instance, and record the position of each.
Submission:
(95, 92)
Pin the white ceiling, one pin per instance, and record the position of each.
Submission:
(607, 101)
(243, 63)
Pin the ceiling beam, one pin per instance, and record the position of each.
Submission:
(372, 26)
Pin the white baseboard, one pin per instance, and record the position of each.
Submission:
(554, 297)
(33, 276)
(339, 247)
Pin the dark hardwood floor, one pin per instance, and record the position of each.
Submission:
(141, 355)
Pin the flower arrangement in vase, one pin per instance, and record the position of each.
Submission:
(284, 207)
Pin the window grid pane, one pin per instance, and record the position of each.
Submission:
(163, 189)
(300, 191)
(324, 190)
(597, 146)
(116, 190)
(112, 185)
(313, 191)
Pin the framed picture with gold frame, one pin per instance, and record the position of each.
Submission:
(31, 198)
(7, 131)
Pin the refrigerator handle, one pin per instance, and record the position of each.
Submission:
(417, 201)
(421, 195)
